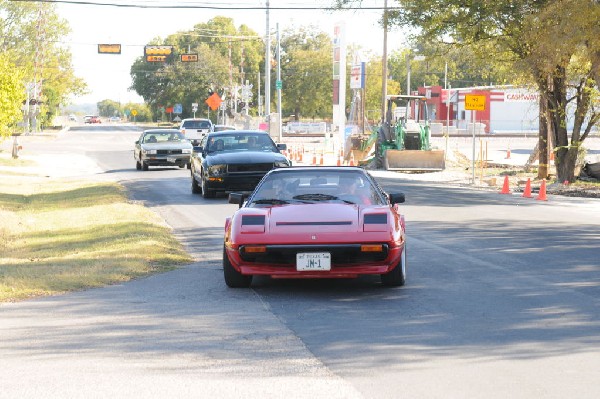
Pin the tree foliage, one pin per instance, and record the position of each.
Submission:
(11, 95)
(553, 43)
(186, 83)
(25, 43)
(306, 59)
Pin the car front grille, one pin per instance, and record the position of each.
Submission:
(168, 152)
(342, 254)
(249, 167)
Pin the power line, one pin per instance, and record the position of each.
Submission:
(207, 6)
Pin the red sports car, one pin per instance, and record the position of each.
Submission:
(315, 222)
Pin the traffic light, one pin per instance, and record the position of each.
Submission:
(157, 53)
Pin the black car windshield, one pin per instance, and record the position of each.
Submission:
(315, 186)
(239, 142)
(163, 137)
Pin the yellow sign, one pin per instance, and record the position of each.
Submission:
(156, 58)
(134, 112)
(474, 102)
(109, 49)
(189, 57)
(158, 50)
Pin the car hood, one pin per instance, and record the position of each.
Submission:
(244, 157)
(314, 217)
(167, 146)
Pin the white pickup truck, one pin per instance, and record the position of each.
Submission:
(195, 128)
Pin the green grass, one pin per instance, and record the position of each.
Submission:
(58, 236)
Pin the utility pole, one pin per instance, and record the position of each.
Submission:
(384, 63)
(279, 83)
(268, 68)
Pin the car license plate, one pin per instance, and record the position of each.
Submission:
(172, 159)
(309, 261)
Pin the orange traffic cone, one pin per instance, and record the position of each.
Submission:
(505, 186)
(314, 160)
(542, 195)
(508, 152)
(352, 159)
(300, 154)
(321, 160)
(339, 159)
(527, 192)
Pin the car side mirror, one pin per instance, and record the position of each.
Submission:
(237, 198)
(396, 198)
(282, 147)
(197, 149)
(137, 142)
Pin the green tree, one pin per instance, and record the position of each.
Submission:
(26, 45)
(553, 43)
(108, 108)
(11, 95)
(306, 59)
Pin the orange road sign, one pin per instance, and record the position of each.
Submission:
(474, 102)
(109, 49)
(189, 57)
(214, 101)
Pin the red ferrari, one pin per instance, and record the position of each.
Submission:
(315, 222)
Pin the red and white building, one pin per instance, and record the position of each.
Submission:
(507, 109)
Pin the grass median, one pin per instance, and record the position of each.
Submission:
(60, 236)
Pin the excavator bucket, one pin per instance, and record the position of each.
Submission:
(414, 160)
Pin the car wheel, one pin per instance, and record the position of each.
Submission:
(206, 193)
(181, 166)
(196, 189)
(144, 166)
(397, 277)
(233, 278)
(189, 165)
(138, 165)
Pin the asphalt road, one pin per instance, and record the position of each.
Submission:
(502, 300)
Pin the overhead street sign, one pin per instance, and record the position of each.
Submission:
(158, 50)
(474, 102)
(189, 57)
(156, 58)
(109, 49)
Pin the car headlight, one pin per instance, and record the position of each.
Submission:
(186, 151)
(281, 164)
(217, 170)
(149, 152)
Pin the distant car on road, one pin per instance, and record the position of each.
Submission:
(162, 147)
(91, 119)
(72, 118)
(234, 160)
(114, 119)
(220, 128)
(194, 129)
(315, 222)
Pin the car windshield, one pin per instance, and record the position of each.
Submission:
(196, 124)
(239, 142)
(315, 186)
(163, 137)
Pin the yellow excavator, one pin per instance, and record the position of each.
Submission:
(402, 141)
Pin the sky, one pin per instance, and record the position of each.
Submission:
(107, 75)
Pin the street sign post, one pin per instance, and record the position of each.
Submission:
(474, 103)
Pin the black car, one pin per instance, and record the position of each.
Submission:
(234, 161)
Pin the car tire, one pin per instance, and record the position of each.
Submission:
(233, 278)
(188, 165)
(206, 193)
(144, 166)
(397, 277)
(196, 189)
(138, 165)
(181, 166)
